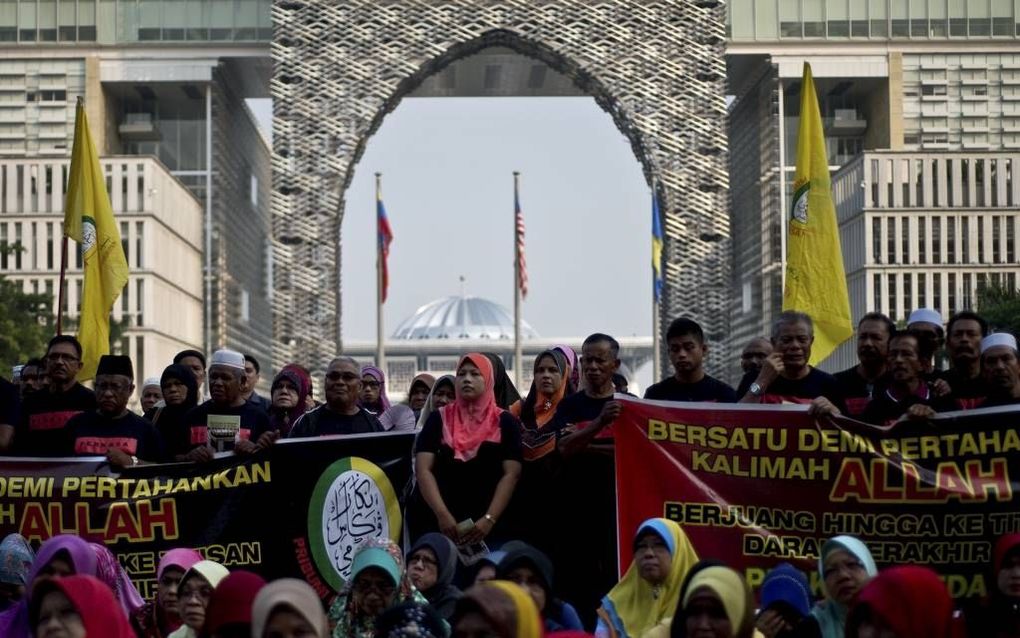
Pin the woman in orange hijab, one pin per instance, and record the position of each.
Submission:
(468, 459)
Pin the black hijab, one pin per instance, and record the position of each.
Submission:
(443, 595)
(503, 388)
(169, 419)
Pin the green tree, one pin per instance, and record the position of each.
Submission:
(1000, 305)
(26, 325)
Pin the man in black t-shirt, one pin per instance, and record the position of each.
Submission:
(687, 349)
(907, 393)
(341, 414)
(963, 379)
(45, 413)
(111, 430)
(786, 376)
(862, 382)
(1001, 369)
(585, 416)
(226, 421)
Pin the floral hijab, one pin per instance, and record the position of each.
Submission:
(349, 620)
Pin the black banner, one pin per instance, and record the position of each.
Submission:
(298, 509)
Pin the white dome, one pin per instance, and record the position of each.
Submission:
(462, 318)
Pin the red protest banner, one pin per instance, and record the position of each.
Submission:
(757, 485)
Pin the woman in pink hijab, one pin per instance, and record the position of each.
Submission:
(159, 618)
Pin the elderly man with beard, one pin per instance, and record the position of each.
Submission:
(341, 414)
(861, 382)
(45, 413)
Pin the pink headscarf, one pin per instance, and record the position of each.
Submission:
(109, 571)
(377, 374)
(468, 424)
(181, 557)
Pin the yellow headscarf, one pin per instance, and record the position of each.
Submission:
(732, 592)
(529, 620)
(633, 606)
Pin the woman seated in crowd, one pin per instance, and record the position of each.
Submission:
(467, 460)
(714, 603)
(61, 555)
(845, 566)
(431, 566)
(288, 607)
(482, 570)
(998, 616)
(159, 618)
(648, 592)
(904, 602)
(418, 393)
(194, 594)
(229, 611)
(289, 395)
(785, 599)
(377, 581)
(109, 570)
(76, 606)
(16, 558)
(533, 571)
(497, 608)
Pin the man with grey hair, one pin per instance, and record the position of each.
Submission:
(341, 413)
(786, 376)
(226, 421)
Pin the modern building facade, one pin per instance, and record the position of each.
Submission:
(166, 79)
(161, 232)
(930, 86)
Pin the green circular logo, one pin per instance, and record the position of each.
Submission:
(353, 501)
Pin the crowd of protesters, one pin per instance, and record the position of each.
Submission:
(505, 473)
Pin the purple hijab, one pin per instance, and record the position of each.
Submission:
(109, 571)
(14, 622)
(377, 374)
(575, 370)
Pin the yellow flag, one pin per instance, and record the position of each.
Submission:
(88, 219)
(815, 277)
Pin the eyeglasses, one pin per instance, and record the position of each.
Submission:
(382, 587)
(203, 593)
(370, 384)
(346, 377)
(60, 356)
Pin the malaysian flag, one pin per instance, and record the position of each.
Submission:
(522, 264)
(385, 238)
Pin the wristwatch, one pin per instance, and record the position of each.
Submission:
(134, 460)
(490, 518)
(756, 390)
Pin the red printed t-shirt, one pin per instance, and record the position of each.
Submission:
(93, 434)
(44, 418)
(220, 427)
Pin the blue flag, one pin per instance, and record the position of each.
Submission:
(656, 247)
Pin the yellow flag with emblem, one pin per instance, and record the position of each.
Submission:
(815, 277)
(88, 220)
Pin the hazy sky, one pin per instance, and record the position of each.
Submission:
(447, 167)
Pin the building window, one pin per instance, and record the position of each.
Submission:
(877, 292)
(951, 240)
(922, 290)
(951, 292)
(981, 239)
(968, 302)
(245, 309)
(139, 238)
(1010, 240)
(876, 240)
(936, 291)
(965, 239)
(922, 254)
(18, 246)
(891, 239)
(996, 237)
(891, 296)
(140, 301)
(936, 240)
(905, 238)
(253, 193)
(124, 241)
(908, 291)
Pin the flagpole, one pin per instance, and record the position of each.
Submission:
(518, 352)
(63, 277)
(656, 342)
(380, 348)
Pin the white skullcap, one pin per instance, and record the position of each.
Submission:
(998, 339)
(229, 358)
(151, 381)
(926, 315)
